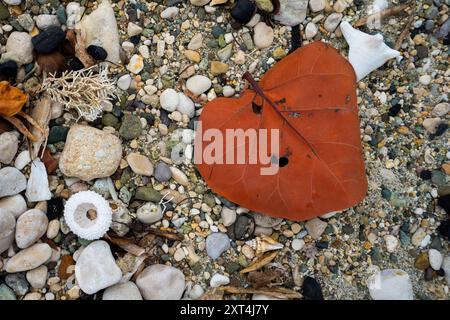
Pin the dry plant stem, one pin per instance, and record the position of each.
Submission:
(21, 127)
(382, 14)
(404, 33)
(261, 262)
(280, 293)
(81, 90)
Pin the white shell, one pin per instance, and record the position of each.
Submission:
(75, 215)
(367, 52)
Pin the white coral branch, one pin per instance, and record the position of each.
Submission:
(82, 90)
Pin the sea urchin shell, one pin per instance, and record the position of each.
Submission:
(88, 215)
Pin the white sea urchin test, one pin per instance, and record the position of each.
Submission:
(88, 215)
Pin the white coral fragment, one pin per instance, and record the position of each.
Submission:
(367, 52)
(88, 215)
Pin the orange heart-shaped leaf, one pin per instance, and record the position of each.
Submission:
(309, 98)
(12, 99)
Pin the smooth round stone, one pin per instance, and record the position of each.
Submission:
(199, 3)
(29, 258)
(37, 277)
(124, 82)
(9, 144)
(198, 84)
(162, 172)
(97, 52)
(196, 292)
(391, 243)
(390, 284)
(45, 21)
(7, 227)
(149, 213)
(16, 205)
(263, 35)
(22, 160)
(332, 21)
(96, 268)
(298, 244)
(122, 291)
(169, 100)
(30, 227)
(179, 176)
(52, 229)
(49, 40)
(186, 105)
(136, 64)
(228, 216)
(228, 91)
(131, 127)
(170, 13)
(17, 282)
(140, 164)
(218, 280)
(12, 182)
(311, 30)
(435, 258)
(19, 48)
(317, 5)
(292, 12)
(161, 282)
(243, 11)
(441, 109)
(216, 244)
(6, 293)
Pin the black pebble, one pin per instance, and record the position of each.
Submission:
(8, 70)
(441, 129)
(444, 202)
(75, 64)
(55, 208)
(425, 174)
(135, 39)
(322, 245)
(444, 229)
(164, 117)
(96, 52)
(243, 11)
(440, 272)
(149, 117)
(311, 289)
(429, 274)
(48, 41)
(394, 110)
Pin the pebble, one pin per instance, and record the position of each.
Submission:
(149, 213)
(218, 280)
(317, 5)
(441, 109)
(6, 293)
(332, 21)
(243, 11)
(263, 35)
(390, 284)
(169, 100)
(19, 48)
(124, 82)
(228, 216)
(161, 282)
(196, 42)
(418, 237)
(7, 227)
(225, 53)
(22, 159)
(425, 79)
(292, 12)
(13, 2)
(96, 269)
(216, 244)
(49, 40)
(266, 221)
(98, 158)
(29, 258)
(16, 205)
(133, 29)
(198, 84)
(196, 292)
(9, 144)
(121, 217)
(131, 127)
(179, 176)
(298, 244)
(37, 277)
(148, 194)
(391, 243)
(30, 227)
(435, 258)
(179, 255)
(431, 124)
(136, 64)
(52, 229)
(44, 21)
(311, 289)
(192, 55)
(228, 91)
(446, 268)
(12, 182)
(144, 51)
(162, 172)
(311, 30)
(170, 13)
(185, 105)
(218, 67)
(122, 291)
(315, 227)
(140, 164)
(37, 186)
(97, 52)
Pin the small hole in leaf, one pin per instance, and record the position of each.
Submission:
(283, 162)
(256, 108)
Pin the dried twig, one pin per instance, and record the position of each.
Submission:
(261, 262)
(382, 14)
(280, 293)
(404, 33)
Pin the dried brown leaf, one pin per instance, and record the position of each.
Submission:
(261, 262)
(278, 292)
